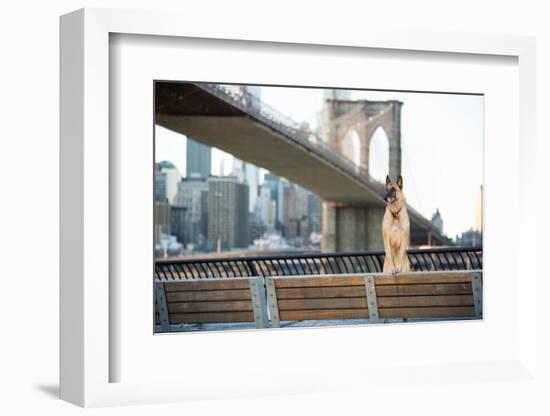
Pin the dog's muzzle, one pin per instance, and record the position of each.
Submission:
(390, 197)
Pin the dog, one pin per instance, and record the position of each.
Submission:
(395, 228)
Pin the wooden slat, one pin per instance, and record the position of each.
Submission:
(412, 301)
(320, 281)
(211, 317)
(322, 314)
(424, 289)
(384, 290)
(434, 312)
(415, 278)
(321, 292)
(221, 306)
(208, 295)
(327, 303)
(185, 285)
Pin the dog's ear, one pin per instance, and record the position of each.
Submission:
(400, 182)
(388, 180)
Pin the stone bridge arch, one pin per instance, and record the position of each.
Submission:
(364, 118)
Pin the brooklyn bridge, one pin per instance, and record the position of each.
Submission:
(244, 126)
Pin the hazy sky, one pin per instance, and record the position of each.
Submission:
(441, 140)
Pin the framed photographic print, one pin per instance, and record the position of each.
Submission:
(262, 221)
(296, 212)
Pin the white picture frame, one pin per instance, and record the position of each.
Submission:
(86, 353)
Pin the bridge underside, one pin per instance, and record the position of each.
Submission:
(356, 208)
(250, 141)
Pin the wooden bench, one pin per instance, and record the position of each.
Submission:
(232, 300)
(376, 297)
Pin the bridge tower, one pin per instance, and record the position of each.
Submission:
(365, 117)
(350, 227)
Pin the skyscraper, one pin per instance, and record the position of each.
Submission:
(178, 224)
(275, 184)
(314, 214)
(252, 175)
(238, 169)
(289, 211)
(172, 178)
(302, 195)
(198, 159)
(263, 206)
(247, 173)
(193, 196)
(160, 184)
(228, 219)
(161, 213)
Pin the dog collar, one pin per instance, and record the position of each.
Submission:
(396, 214)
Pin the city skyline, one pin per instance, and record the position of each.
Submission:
(213, 214)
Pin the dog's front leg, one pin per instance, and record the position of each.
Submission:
(388, 258)
(403, 261)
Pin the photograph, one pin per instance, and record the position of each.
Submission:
(287, 206)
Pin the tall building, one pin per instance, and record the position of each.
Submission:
(292, 229)
(289, 210)
(238, 169)
(302, 212)
(162, 224)
(281, 185)
(314, 214)
(250, 174)
(256, 230)
(179, 224)
(275, 184)
(302, 196)
(199, 159)
(193, 196)
(160, 184)
(272, 215)
(228, 217)
(263, 205)
(173, 177)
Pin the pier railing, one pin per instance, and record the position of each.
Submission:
(432, 259)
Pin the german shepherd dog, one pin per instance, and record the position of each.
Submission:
(395, 228)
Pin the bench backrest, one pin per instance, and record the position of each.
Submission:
(210, 301)
(453, 294)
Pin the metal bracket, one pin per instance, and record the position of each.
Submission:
(163, 307)
(259, 306)
(477, 292)
(272, 302)
(374, 316)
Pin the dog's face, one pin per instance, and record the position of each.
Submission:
(394, 191)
